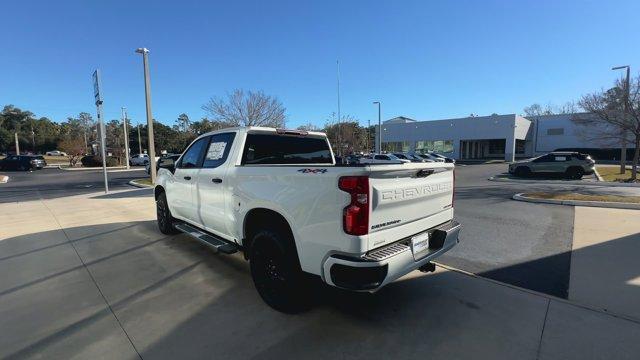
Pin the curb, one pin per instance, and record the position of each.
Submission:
(91, 168)
(602, 204)
(109, 169)
(597, 174)
(566, 182)
(3, 179)
(138, 185)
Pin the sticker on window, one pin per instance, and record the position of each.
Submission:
(216, 150)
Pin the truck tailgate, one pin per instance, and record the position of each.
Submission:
(404, 194)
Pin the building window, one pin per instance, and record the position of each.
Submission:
(520, 144)
(395, 146)
(496, 147)
(439, 146)
(555, 131)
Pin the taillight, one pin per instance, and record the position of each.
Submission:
(355, 218)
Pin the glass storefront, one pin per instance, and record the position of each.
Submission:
(395, 146)
(438, 146)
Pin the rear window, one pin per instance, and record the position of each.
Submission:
(282, 149)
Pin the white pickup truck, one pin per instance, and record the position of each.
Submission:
(278, 196)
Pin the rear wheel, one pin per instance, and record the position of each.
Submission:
(522, 171)
(575, 173)
(276, 272)
(165, 220)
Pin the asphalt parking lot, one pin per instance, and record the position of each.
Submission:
(51, 183)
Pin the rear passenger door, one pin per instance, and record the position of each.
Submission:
(181, 189)
(542, 164)
(213, 187)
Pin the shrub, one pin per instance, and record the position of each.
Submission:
(96, 161)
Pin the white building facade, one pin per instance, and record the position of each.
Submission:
(485, 137)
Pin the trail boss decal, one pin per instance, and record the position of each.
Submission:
(377, 226)
(313, 171)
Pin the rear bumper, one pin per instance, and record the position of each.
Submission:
(377, 268)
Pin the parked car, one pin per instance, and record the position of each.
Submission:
(41, 162)
(22, 163)
(278, 196)
(446, 159)
(410, 157)
(572, 165)
(164, 161)
(424, 157)
(353, 159)
(139, 160)
(382, 159)
(56, 153)
(431, 157)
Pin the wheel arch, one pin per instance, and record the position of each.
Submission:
(262, 218)
(157, 191)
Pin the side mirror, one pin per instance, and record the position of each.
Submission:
(168, 164)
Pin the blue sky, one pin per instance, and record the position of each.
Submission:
(422, 59)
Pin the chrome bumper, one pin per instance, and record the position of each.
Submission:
(378, 267)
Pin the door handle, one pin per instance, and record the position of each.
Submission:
(216, 180)
(187, 177)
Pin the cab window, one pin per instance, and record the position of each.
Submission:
(218, 150)
(192, 158)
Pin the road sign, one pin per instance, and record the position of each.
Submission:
(96, 86)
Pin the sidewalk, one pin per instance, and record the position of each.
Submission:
(90, 276)
(605, 270)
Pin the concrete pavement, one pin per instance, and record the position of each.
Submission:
(77, 285)
(604, 262)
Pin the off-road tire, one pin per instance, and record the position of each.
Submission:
(165, 220)
(276, 272)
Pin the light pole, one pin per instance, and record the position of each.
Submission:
(623, 147)
(139, 141)
(368, 134)
(33, 140)
(379, 144)
(339, 118)
(17, 144)
(126, 137)
(147, 93)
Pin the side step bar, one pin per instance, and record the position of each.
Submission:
(217, 243)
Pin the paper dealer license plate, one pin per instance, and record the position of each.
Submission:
(420, 245)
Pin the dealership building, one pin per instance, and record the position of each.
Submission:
(485, 137)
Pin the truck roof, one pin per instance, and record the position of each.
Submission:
(261, 129)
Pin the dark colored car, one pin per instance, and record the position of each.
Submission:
(22, 162)
(572, 165)
(41, 161)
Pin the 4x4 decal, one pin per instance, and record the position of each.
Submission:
(313, 171)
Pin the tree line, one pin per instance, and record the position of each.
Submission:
(78, 135)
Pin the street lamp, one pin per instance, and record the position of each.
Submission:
(126, 136)
(147, 94)
(379, 128)
(623, 147)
